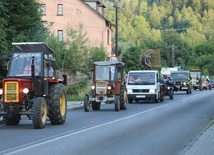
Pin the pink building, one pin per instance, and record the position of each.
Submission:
(58, 14)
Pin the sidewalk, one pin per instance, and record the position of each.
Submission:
(205, 143)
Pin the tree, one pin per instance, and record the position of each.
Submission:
(20, 22)
(131, 57)
(154, 16)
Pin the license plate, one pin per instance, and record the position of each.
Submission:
(184, 88)
(140, 96)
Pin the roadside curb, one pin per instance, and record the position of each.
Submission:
(72, 105)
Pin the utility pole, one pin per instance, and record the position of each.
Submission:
(173, 55)
(116, 32)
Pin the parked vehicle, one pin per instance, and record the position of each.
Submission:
(144, 85)
(36, 95)
(108, 86)
(182, 81)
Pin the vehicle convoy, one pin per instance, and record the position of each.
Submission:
(108, 86)
(144, 85)
(196, 76)
(36, 93)
(182, 81)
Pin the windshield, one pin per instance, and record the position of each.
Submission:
(195, 74)
(147, 78)
(20, 64)
(179, 76)
(103, 72)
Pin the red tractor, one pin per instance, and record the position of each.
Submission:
(37, 90)
(108, 86)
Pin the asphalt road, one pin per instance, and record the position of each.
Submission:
(163, 128)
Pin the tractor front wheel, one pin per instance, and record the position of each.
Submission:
(39, 112)
(117, 103)
(12, 120)
(123, 98)
(57, 104)
(86, 103)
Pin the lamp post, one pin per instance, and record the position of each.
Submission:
(116, 31)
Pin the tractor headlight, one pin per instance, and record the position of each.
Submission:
(93, 87)
(184, 83)
(25, 90)
(109, 87)
(1, 91)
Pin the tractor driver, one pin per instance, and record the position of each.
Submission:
(27, 69)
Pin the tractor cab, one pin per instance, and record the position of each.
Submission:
(31, 58)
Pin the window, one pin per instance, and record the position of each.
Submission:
(60, 35)
(60, 9)
(43, 9)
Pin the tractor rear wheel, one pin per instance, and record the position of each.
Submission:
(57, 102)
(39, 110)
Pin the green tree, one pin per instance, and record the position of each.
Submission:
(3, 26)
(154, 16)
(131, 57)
(20, 22)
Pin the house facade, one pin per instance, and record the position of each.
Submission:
(59, 14)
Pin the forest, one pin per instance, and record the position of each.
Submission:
(160, 24)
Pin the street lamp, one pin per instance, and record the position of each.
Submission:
(116, 32)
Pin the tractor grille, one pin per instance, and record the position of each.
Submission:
(101, 87)
(11, 92)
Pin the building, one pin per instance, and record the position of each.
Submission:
(58, 14)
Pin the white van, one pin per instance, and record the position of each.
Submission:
(144, 85)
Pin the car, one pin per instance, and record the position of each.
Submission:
(182, 81)
(212, 83)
